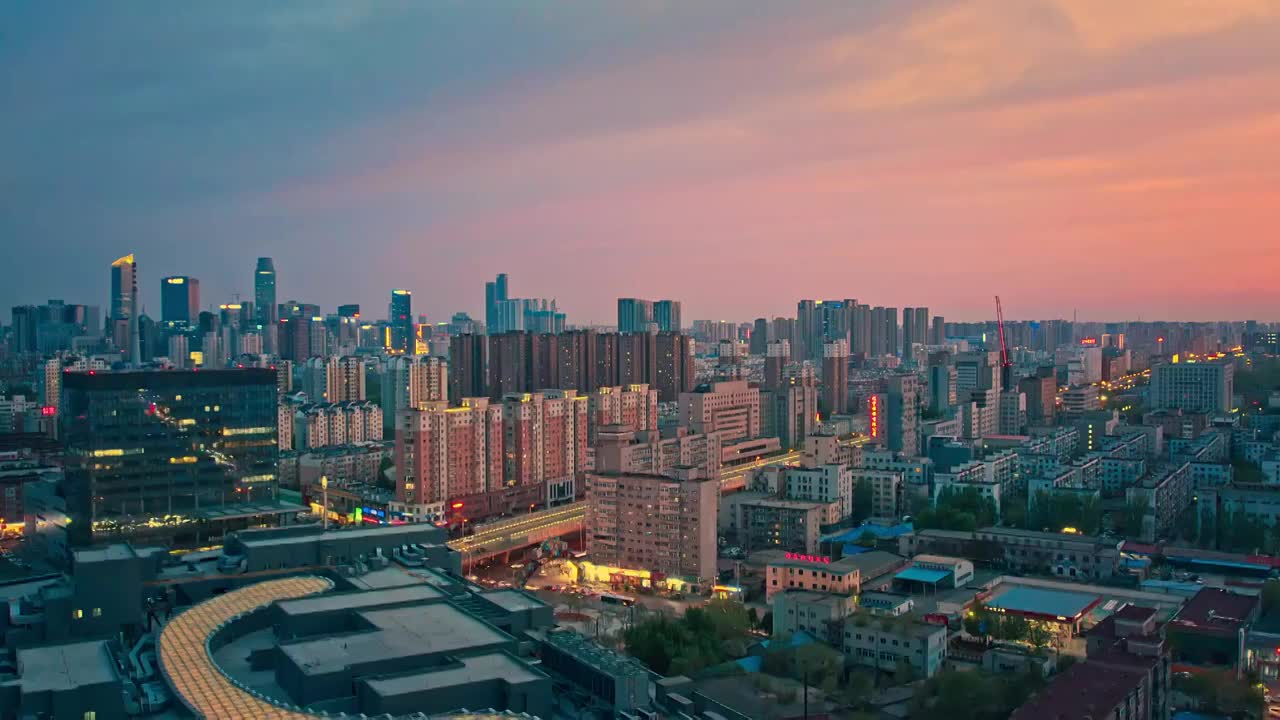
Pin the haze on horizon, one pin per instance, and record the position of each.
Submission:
(1115, 159)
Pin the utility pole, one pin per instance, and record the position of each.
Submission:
(804, 679)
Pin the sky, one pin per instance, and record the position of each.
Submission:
(1115, 160)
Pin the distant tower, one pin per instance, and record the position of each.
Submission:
(124, 307)
(264, 292)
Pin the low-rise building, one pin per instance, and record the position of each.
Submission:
(846, 576)
(1209, 630)
(1082, 557)
(1166, 494)
(883, 643)
(770, 523)
(886, 492)
(818, 613)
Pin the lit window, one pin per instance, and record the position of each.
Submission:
(97, 612)
(77, 614)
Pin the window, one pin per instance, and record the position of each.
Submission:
(97, 612)
(77, 614)
(90, 715)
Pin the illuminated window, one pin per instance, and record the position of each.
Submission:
(77, 614)
(97, 612)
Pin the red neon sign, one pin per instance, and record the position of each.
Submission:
(875, 416)
(1089, 341)
(48, 411)
(823, 559)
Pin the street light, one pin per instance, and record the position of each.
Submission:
(324, 489)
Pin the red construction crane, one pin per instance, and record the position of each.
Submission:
(1006, 366)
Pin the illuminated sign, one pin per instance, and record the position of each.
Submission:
(875, 416)
(821, 559)
(1089, 341)
(48, 411)
(176, 281)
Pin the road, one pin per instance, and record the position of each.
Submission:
(730, 476)
(516, 528)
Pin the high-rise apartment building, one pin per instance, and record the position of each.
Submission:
(637, 358)
(673, 367)
(344, 379)
(168, 455)
(544, 437)
(632, 406)
(904, 414)
(731, 409)
(1193, 386)
(401, 336)
(522, 362)
(444, 452)
(777, 356)
(1041, 390)
(665, 525)
(179, 299)
(835, 378)
(790, 411)
(576, 352)
(938, 335)
(467, 376)
(410, 381)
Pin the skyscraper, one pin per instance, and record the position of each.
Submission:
(179, 299)
(124, 307)
(495, 293)
(634, 315)
(666, 313)
(777, 355)
(908, 331)
(835, 378)
(264, 292)
(466, 367)
(400, 316)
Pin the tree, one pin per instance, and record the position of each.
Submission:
(695, 641)
(1039, 636)
(863, 499)
(1270, 596)
(1014, 628)
(1131, 518)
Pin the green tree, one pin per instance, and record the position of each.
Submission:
(863, 499)
(1270, 597)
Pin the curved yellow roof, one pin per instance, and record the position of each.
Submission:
(185, 660)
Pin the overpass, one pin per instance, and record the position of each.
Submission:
(509, 535)
(503, 537)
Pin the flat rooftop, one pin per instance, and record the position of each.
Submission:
(477, 668)
(116, 551)
(389, 532)
(1043, 601)
(329, 602)
(398, 632)
(513, 600)
(64, 667)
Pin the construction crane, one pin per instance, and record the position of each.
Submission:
(1006, 366)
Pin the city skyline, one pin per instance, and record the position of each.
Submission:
(1115, 162)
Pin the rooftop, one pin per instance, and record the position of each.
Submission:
(65, 667)
(329, 602)
(513, 600)
(116, 551)
(922, 575)
(1215, 611)
(467, 670)
(417, 630)
(1083, 690)
(1043, 601)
